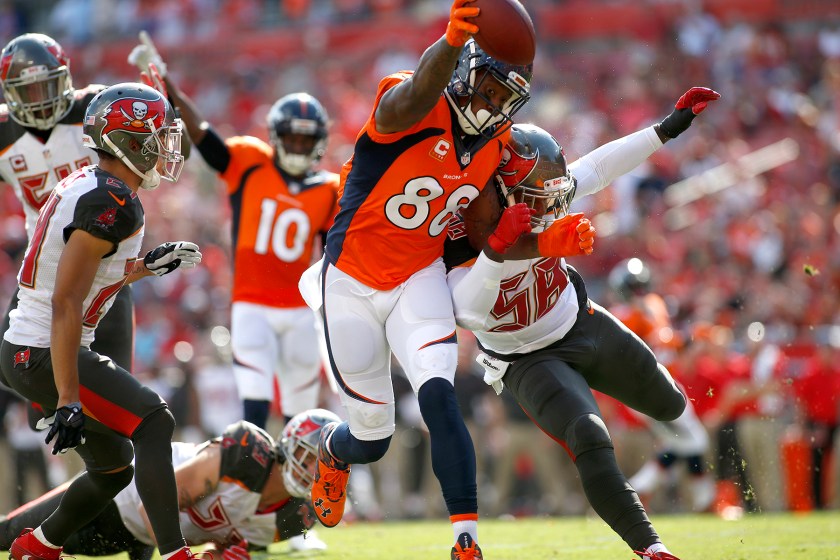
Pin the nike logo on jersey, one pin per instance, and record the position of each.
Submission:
(120, 201)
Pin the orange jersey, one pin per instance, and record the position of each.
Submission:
(649, 319)
(399, 191)
(275, 223)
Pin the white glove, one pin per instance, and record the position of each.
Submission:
(145, 54)
(494, 371)
(165, 258)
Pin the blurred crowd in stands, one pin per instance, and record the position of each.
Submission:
(739, 220)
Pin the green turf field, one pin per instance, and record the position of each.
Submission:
(758, 537)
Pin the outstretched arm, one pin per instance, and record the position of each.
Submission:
(602, 166)
(209, 144)
(406, 104)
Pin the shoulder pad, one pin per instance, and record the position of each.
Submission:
(321, 177)
(81, 99)
(250, 144)
(247, 455)
(111, 211)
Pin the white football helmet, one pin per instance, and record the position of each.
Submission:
(297, 449)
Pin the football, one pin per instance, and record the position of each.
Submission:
(505, 31)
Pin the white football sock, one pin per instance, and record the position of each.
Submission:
(470, 527)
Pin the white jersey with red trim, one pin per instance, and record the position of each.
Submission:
(228, 514)
(33, 167)
(514, 307)
(101, 205)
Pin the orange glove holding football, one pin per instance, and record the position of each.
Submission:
(459, 30)
(572, 236)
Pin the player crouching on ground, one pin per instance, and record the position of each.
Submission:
(241, 491)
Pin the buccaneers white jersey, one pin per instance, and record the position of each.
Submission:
(228, 514)
(101, 205)
(514, 307)
(521, 306)
(33, 167)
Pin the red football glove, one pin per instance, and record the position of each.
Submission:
(459, 30)
(153, 79)
(688, 106)
(237, 552)
(515, 221)
(573, 235)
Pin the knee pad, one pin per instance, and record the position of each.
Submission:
(587, 432)
(159, 424)
(435, 361)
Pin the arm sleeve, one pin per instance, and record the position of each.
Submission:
(474, 291)
(602, 166)
(214, 151)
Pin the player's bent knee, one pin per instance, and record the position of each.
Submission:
(158, 424)
(114, 480)
(671, 405)
(436, 361)
(587, 432)
(370, 422)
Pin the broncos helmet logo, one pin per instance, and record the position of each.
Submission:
(514, 167)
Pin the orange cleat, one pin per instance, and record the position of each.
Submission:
(26, 546)
(466, 549)
(329, 487)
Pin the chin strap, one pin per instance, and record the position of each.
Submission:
(150, 180)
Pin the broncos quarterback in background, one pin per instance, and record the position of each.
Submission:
(542, 338)
(240, 492)
(41, 144)
(281, 205)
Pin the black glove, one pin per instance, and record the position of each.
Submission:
(68, 423)
(687, 107)
(165, 258)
